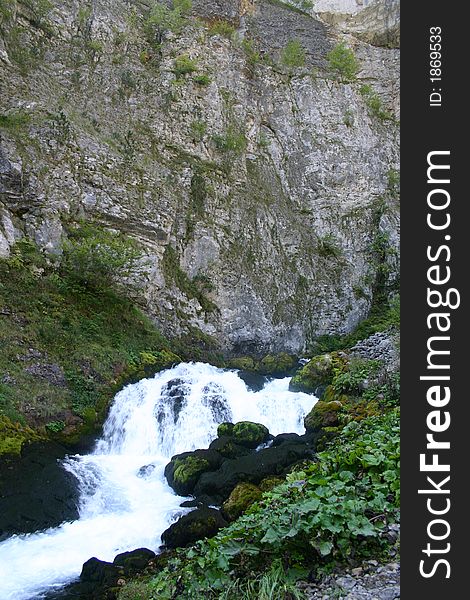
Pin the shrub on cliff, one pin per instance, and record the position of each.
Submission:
(99, 259)
(343, 63)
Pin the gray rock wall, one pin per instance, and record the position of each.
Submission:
(265, 185)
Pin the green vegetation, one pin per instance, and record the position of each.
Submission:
(223, 28)
(374, 103)
(15, 122)
(233, 141)
(393, 182)
(198, 130)
(293, 55)
(332, 511)
(253, 57)
(328, 247)
(161, 19)
(99, 259)
(343, 63)
(299, 6)
(383, 315)
(183, 65)
(202, 79)
(69, 338)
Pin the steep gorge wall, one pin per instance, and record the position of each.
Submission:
(256, 191)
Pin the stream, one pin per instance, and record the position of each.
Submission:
(124, 499)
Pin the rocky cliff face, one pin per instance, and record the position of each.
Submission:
(259, 187)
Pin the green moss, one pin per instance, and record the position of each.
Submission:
(244, 363)
(319, 371)
(96, 339)
(323, 414)
(249, 434)
(187, 470)
(241, 498)
(276, 364)
(225, 429)
(14, 435)
(269, 483)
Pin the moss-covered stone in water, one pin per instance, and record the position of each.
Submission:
(320, 370)
(225, 429)
(276, 364)
(241, 498)
(323, 414)
(244, 363)
(188, 470)
(250, 434)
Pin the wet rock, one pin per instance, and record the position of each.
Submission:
(197, 525)
(35, 491)
(252, 468)
(240, 499)
(184, 470)
(228, 448)
(134, 560)
(249, 434)
(323, 414)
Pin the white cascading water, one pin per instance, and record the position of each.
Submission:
(125, 501)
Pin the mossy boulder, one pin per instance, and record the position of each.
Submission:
(134, 560)
(271, 364)
(323, 414)
(250, 435)
(277, 364)
(269, 483)
(197, 525)
(228, 448)
(224, 429)
(241, 498)
(319, 371)
(252, 468)
(184, 470)
(243, 363)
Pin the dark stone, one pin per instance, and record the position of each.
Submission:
(273, 25)
(251, 468)
(184, 470)
(36, 492)
(135, 560)
(228, 448)
(145, 471)
(51, 373)
(197, 525)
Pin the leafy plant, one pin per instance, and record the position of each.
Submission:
(198, 130)
(343, 63)
(162, 19)
(232, 141)
(393, 182)
(223, 28)
(293, 55)
(332, 511)
(183, 65)
(374, 103)
(253, 56)
(202, 79)
(98, 258)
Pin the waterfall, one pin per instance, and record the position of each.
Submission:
(125, 502)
